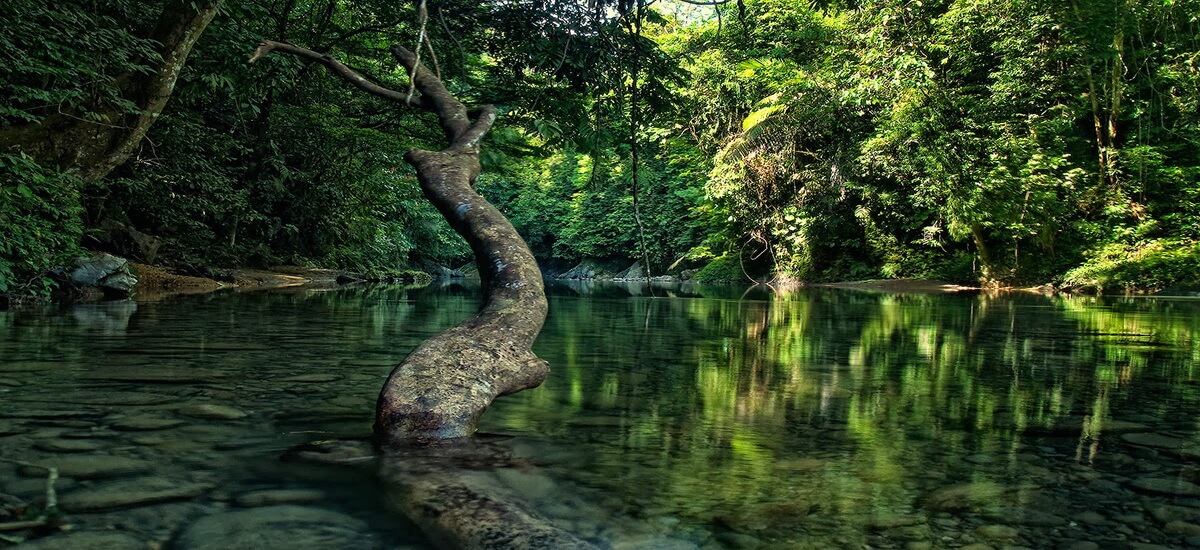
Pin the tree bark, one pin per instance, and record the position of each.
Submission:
(92, 150)
(440, 390)
(434, 397)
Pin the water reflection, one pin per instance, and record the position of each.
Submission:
(840, 410)
(676, 415)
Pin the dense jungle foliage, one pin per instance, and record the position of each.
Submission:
(1008, 141)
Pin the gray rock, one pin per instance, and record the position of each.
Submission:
(87, 540)
(632, 272)
(653, 541)
(210, 411)
(998, 533)
(128, 493)
(1182, 528)
(1089, 517)
(1165, 486)
(69, 445)
(276, 527)
(739, 541)
(529, 485)
(89, 466)
(104, 271)
(965, 496)
(144, 423)
(1157, 441)
(158, 375)
(272, 497)
(312, 378)
(1080, 545)
(34, 488)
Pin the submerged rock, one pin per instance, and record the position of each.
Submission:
(210, 411)
(312, 378)
(272, 497)
(1165, 486)
(998, 533)
(132, 492)
(68, 445)
(89, 466)
(1153, 440)
(143, 423)
(87, 540)
(276, 527)
(966, 496)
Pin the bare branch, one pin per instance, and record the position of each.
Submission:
(337, 68)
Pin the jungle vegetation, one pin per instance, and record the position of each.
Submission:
(996, 141)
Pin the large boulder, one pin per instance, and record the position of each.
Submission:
(105, 272)
(631, 273)
(438, 271)
(589, 269)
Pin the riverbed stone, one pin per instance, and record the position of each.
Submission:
(30, 488)
(69, 445)
(89, 466)
(1182, 528)
(963, 496)
(87, 540)
(311, 378)
(145, 423)
(212, 411)
(157, 375)
(285, 526)
(997, 533)
(273, 497)
(1165, 486)
(1090, 517)
(1154, 440)
(129, 493)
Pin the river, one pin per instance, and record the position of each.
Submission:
(675, 417)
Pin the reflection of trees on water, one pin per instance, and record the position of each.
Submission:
(848, 399)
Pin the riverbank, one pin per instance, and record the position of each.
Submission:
(157, 282)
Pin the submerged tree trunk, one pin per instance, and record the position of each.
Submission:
(434, 397)
(93, 149)
(440, 390)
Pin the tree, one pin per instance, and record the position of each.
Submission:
(440, 390)
(104, 128)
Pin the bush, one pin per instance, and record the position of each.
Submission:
(725, 269)
(40, 214)
(1150, 266)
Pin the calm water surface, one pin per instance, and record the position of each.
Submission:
(677, 417)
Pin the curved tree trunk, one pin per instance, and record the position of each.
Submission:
(440, 390)
(92, 150)
(433, 399)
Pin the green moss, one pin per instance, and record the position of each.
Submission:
(725, 269)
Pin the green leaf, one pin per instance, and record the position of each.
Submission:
(758, 117)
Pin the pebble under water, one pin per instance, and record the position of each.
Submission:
(676, 417)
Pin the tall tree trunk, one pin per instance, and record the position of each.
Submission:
(93, 149)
